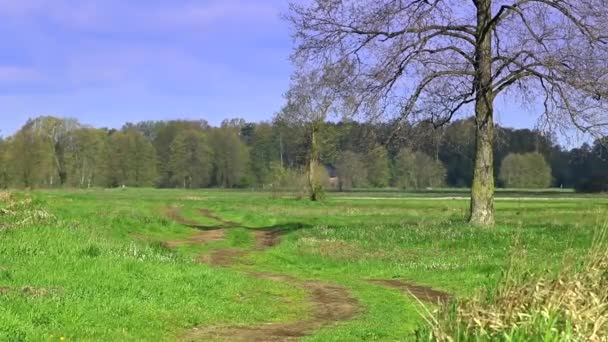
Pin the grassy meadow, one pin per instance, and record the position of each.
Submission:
(96, 265)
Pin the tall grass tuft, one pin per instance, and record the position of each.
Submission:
(18, 211)
(570, 306)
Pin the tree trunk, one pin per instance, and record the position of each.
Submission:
(482, 190)
(63, 177)
(58, 150)
(312, 162)
(281, 148)
(84, 173)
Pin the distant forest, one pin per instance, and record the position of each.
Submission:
(53, 152)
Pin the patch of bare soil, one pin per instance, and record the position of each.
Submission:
(423, 293)
(225, 223)
(223, 257)
(202, 237)
(226, 257)
(174, 213)
(266, 238)
(331, 304)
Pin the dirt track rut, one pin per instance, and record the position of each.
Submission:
(331, 304)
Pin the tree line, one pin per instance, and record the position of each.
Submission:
(52, 152)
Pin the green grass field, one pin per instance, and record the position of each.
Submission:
(118, 265)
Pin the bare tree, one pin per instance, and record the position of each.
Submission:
(58, 133)
(434, 59)
(309, 101)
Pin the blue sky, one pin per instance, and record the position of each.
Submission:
(107, 62)
(110, 61)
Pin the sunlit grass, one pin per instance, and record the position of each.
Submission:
(106, 275)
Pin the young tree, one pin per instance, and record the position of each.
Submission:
(309, 102)
(457, 152)
(528, 171)
(292, 140)
(191, 160)
(30, 159)
(417, 170)
(265, 149)
(351, 170)
(448, 56)
(84, 156)
(230, 157)
(130, 160)
(57, 134)
(163, 135)
(276, 178)
(378, 171)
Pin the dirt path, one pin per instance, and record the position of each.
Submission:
(226, 257)
(223, 257)
(201, 237)
(331, 304)
(209, 214)
(266, 238)
(174, 213)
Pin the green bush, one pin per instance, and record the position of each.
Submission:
(528, 170)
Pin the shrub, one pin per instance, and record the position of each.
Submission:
(351, 171)
(377, 167)
(528, 170)
(417, 170)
